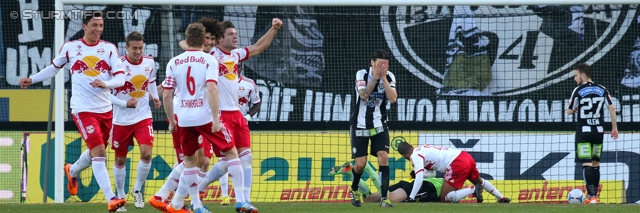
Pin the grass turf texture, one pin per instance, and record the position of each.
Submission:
(340, 207)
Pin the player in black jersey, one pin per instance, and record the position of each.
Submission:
(589, 100)
(375, 87)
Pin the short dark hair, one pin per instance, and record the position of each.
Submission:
(224, 26)
(133, 36)
(210, 25)
(90, 14)
(404, 148)
(379, 54)
(584, 68)
(195, 35)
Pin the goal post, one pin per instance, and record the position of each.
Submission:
(483, 109)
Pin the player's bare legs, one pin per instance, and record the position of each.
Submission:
(97, 162)
(144, 166)
(159, 199)
(189, 176)
(237, 175)
(231, 163)
(120, 171)
(203, 167)
(480, 184)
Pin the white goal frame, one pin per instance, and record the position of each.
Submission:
(60, 33)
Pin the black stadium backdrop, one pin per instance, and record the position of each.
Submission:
(493, 68)
(521, 81)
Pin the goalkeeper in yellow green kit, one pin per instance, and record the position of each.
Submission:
(399, 192)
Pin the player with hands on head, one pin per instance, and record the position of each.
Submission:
(95, 67)
(457, 167)
(375, 87)
(588, 99)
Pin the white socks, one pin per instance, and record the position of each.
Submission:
(102, 176)
(141, 175)
(491, 189)
(83, 162)
(171, 184)
(456, 196)
(246, 158)
(120, 173)
(237, 175)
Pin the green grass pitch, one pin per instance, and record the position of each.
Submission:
(340, 207)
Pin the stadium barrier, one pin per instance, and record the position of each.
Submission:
(293, 166)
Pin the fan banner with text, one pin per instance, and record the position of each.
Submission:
(453, 64)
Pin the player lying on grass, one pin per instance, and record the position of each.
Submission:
(399, 192)
(457, 165)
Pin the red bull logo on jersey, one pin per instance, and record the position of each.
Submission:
(91, 66)
(190, 59)
(243, 101)
(136, 87)
(228, 69)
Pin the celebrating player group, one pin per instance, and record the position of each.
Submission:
(208, 105)
(205, 99)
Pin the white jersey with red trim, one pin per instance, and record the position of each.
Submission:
(228, 76)
(88, 63)
(188, 73)
(430, 157)
(248, 92)
(139, 77)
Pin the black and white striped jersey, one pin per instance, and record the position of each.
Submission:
(590, 100)
(373, 112)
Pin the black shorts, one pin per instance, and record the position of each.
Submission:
(359, 144)
(588, 146)
(427, 192)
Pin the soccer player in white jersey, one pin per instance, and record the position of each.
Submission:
(248, 95)
(132, 115)
(171, 184)
(95, 67)
(457, 166)
(195, 76)
(229, 56)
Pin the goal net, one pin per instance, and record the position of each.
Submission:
(491, 80)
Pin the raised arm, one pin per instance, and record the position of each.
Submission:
(265, 41)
